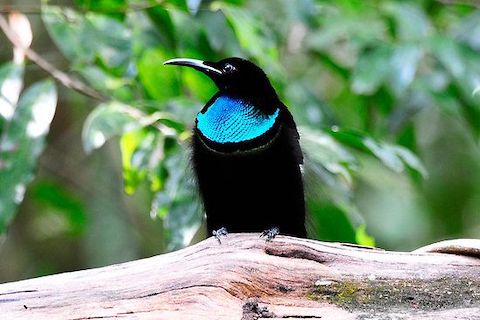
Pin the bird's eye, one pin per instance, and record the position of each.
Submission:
(229, 68)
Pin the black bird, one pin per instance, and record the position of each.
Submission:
(246, 153)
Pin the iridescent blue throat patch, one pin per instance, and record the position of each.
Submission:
(234, 120)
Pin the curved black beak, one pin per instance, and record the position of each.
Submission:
(203, 66)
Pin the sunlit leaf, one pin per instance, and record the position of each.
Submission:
(109, 7)
(22, 143)
(108, 120)
(132, 176)
(142, 152)
(11, 82)
(363, 238)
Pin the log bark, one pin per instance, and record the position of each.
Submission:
(248, 278)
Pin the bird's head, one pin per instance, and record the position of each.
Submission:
(235, 77)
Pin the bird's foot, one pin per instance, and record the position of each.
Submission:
(222, 232)
(270, 234)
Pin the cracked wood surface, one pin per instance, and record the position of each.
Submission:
(248, 278)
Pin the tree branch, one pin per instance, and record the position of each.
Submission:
(247, 278)
(65, 79)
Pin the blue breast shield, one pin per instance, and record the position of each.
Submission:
(232, 120)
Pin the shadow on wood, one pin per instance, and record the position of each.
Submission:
(248, 278)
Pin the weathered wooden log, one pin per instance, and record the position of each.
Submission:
(248, 278)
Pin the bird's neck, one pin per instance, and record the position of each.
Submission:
(265, 100)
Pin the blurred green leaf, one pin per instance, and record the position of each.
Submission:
(403, 65)
(178, 199)
(392, 156)
(164, 25)
(11, 82)
(192, 39)
(330, 223)
(21, 144)
(132, 176)
(467, 32)
(56, 198)
(68, 29)
(251, 34)
(160, 82)
(363, 238)
(142, 152)
(118, 87)
(371, 70)
(410, 20)
(108, 7)
(111, 119)
(89, 38)
(463, 65)
(324, 150)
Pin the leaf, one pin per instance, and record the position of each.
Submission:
(251, 34)
(371, 70)
(108, 120)
(191, 38)
(163, 22)
(177, 203)
(403, 66)
(142, 151)
(89, 38)
(331, 223)
(120, 88)
(61, 202)
(411, 21)
(393, 156)
(363, 238)
(11, 82)
(160, 81)
(66, 27)
(463, 66)
(327, 152)
(22, 143)
(468, 30)
(115, 8)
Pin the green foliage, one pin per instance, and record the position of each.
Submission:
(65, 213)
(356, 75)
(22, 139)
(385, 76)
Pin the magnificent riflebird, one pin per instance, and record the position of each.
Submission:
(246, 154)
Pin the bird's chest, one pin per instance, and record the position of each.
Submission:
(234, 121)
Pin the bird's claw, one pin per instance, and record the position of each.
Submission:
(270, 234)
(222, 232)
